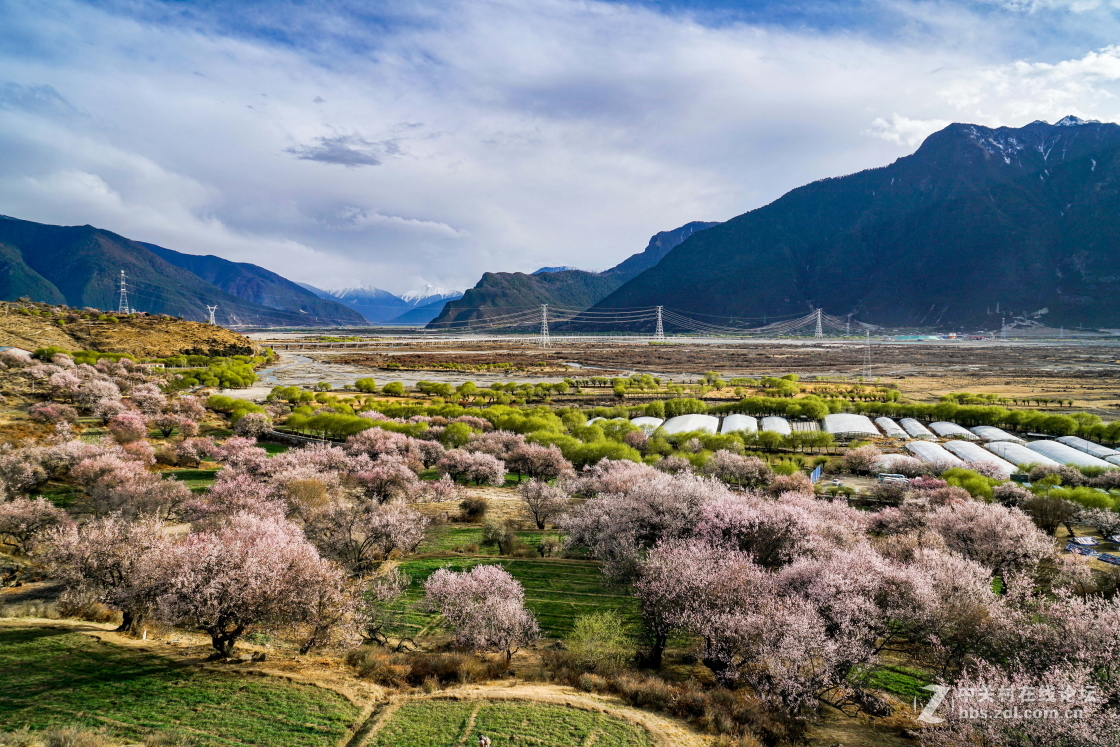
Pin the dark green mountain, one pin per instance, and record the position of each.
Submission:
(81, 265)
(978, 224)
(258, 285)
(502, 293)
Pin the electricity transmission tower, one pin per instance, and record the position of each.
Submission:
(122, 307)
(867, 374)
(659, 333)
(819, 332)
(544, 341)
(212, 309)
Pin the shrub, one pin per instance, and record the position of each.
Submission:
(421, 669)
(599, 642)
(473, 508)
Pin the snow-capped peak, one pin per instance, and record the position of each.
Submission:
(362, 290)
(1070, 120)
(429, 291)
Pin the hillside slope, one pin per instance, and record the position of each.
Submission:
(144, 337)
(258, 285)
(499, 293)
(977, 225)
(81, 265)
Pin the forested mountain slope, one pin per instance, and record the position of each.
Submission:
(81, 266)
(977, 225)
(498, 293)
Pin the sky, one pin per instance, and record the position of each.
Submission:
(403, 143)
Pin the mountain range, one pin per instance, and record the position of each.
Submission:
(500, 293)
(379, 306)
(978, 225)
(81, 265)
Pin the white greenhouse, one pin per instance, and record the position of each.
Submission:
(1018, 453)
(775, 424)
(916, 429)
(647, 423)
(1100, 452)
(688, 423)
(933, 454)
(850, 425)
(991, 433)
(952, 430)
(976, 454)
(1067, 454)
(891, 428)
(737, 422)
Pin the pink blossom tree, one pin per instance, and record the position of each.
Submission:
(359, 535)
(194, 450)
(252, 570)
(861, 460)
(442, 490)
(22, 520)
(1005, 540)
(538, 462)
(94, 390)
(544, 502)
(750, 472)
(64, 384)
(388, 479)
(252, 424)
(52, 412)
(148, 398)
(16, 358)
(128, 427)
(477, 467)
(110, 558)
(499, 444)
(618, 528)
(21, 471)
(485, 606)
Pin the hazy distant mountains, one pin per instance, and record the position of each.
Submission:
(977, 225)
(80, 266)
(499, 293)
(379, 306)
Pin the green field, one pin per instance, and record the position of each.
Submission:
(556, 591)
(442, 723)
(52, 677)
(198, 480)
(451, 538)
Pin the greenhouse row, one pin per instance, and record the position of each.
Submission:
(961, 448)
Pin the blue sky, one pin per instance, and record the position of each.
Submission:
(396, 144)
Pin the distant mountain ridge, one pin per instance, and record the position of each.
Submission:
(978, 225)
(257, 285)
(498, 293)
(379, 306)
(80, 266)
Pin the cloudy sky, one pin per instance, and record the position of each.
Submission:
(403, 143)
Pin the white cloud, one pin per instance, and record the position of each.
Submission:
(906, 131)
(466, 136)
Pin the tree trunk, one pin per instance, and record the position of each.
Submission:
(130, 622)
(224, 641)
(656, 651)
